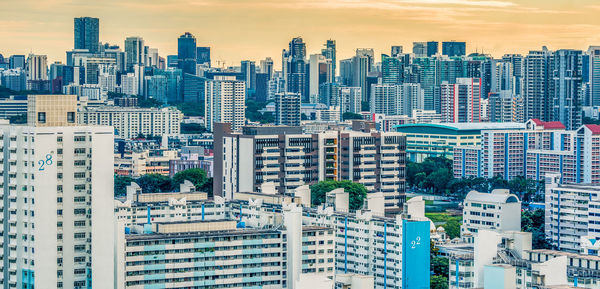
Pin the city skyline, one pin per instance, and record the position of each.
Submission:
(238, 30)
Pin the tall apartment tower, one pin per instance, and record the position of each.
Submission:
(225, 101)
(37, 67)
(287, 109)
(57, 191)
(567, 98)
(86, 34)
(461, 101)
(294, 68)
(536, 89)
(330, 54)
(134, 52)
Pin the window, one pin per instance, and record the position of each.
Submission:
(41, 117)
(70, 117)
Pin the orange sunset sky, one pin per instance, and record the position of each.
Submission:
(246, 29)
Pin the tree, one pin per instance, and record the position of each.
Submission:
(253, 113)
(120, 185)
(208, 187)
(452, 228)
(192, 128)
(534, 222)
(439, 266)
(351, 115)
(191, 109)
(196, 176)
(154, 183)
(438, 282)
(148, 102)
(357, 192)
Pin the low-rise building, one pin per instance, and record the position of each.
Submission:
(498, 211)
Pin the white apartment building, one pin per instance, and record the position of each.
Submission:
(461, 101)
(572, 213)
(225, 101)
(209, 254)
(130, 122)
(498, 211)
(507, 260)
(56, 188)
(318, 248)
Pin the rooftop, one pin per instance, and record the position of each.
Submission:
(465, 126)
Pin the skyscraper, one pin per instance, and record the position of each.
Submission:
(330, 54)
(134, 52)
(392, 70)
(319, 72)
(225, 101)
(16, 61)
(536, 89)
(454, 48)
(432, 48)
(396, 50)
(203, 55)
(461, 101)
(248, 69)
(37, 67)
(419, 49)
(58, 228)
(266, 66)
(593, 54)
(294, 68)
(186, 53)
(287, 109)
(567, 98)
(362, 63)
(86, 34)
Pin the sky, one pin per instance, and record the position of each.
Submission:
(255, 29)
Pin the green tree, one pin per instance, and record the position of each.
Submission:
(208, 187)
(439, 266)
(192, 128)
(438, 282)
(534, 222)
(452, 228)
(120, 185)
(253, 113)
(154, 183)
(351, 115)
(191, 109)
(357, 192)
(148, 102)
(195, 176)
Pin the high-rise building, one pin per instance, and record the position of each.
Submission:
(289, 159)
(225, 102)
(461, 101)
(193, 88)
(419, 49)
(593, 54)
(266, 66)
(503, 107)
(330, 54)
(134, 52)
(130, 122)
(362, 64)
(56, 226)
(248, 69)
(386, 99)
(536, 89)
(186, 53)
(37, 67)
(396, 50)
(454, 48)
(319, 72)
(87, 34)
(429, 80)
(392, 70)
(16, 61)
(567, 98)
(294, 68)
(203, 55)
(287, 109)
(432, 48)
